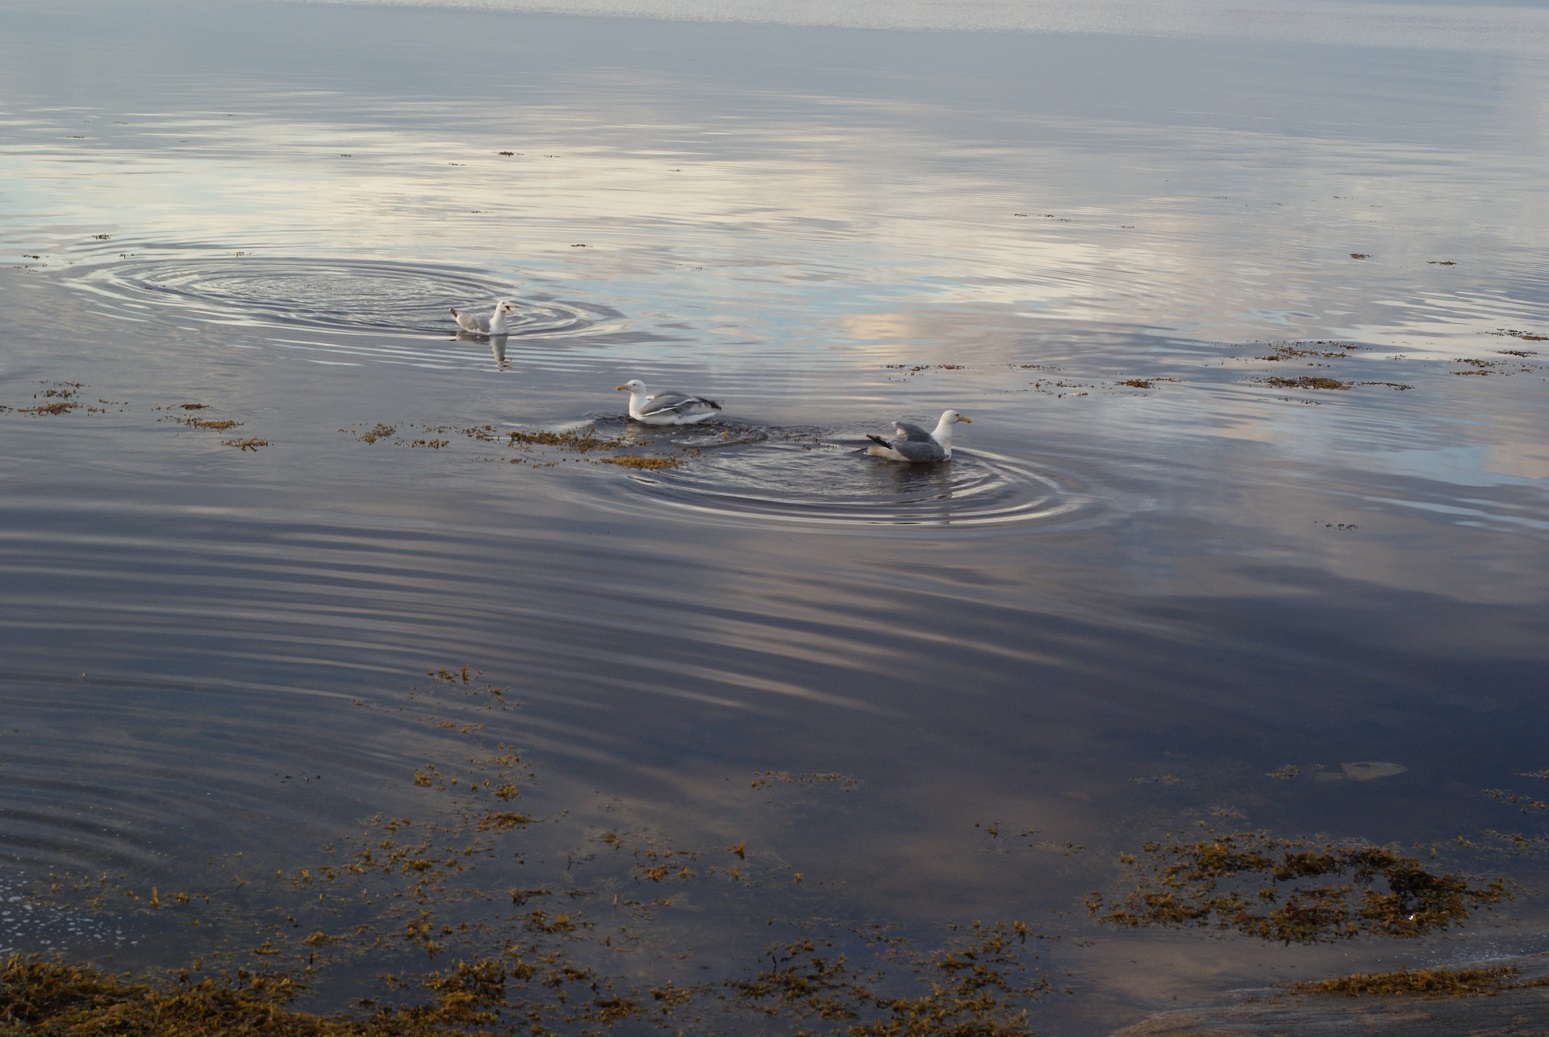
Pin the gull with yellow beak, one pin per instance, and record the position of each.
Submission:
(917, 446)
(667, 407)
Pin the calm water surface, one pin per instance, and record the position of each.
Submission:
(1150, 577)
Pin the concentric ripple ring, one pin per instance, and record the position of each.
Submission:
(826, 483)
(342, 295)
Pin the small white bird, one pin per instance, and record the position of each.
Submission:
(667, 407)
(915, 445)
(495, 324)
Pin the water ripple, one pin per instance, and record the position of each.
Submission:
(348, 295)
(803, 477)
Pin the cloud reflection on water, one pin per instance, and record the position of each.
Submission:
(1091, 219)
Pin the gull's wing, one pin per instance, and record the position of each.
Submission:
(912, 432)
(670, 402)
(472, 322)
(912, 450)
(919, 452)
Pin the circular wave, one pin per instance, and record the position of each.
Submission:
(366, 296)
(805, 478)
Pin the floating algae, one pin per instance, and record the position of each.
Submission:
(1296, 890)
(652, 464)
(1485, 981)
(615, 450)
(1306, 382)
(1300, 350)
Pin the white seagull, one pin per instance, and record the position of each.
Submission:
(917, 446)
(666, 407)
(495, 324)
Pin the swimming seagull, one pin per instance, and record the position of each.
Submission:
(667, 407)
(915, 445)
(495, 324)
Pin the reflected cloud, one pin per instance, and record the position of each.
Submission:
(605, 208)
(1520, 459)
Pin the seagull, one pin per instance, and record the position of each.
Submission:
(916, 445)
(667, 407)
(495, 324)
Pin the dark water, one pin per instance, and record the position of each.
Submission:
(1150, 577)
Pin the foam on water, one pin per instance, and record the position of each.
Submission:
(28, 927)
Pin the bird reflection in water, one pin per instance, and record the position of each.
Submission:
(497, 348)
(922, 492)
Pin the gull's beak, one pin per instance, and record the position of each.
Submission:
(620, 388)
(964, 417)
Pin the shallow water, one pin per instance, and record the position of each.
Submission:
(1150, 577)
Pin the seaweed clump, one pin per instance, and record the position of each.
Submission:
(1298, 350)
(57, 407)
(914, 369)
(581, 442)
(54, 998)
(1526, 336)
(651, 464)
(975, 988)
(1426, 983)
(1293, 890)
(60, 398)
(1307, 382)
(586, 442)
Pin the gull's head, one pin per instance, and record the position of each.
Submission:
(505, 306)
(632, 386)
(952, 417)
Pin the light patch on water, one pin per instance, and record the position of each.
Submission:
(29, 927)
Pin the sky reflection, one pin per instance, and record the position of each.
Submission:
(1186, 228)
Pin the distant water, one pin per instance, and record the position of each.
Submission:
(1511, 26)
(1249, 306)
